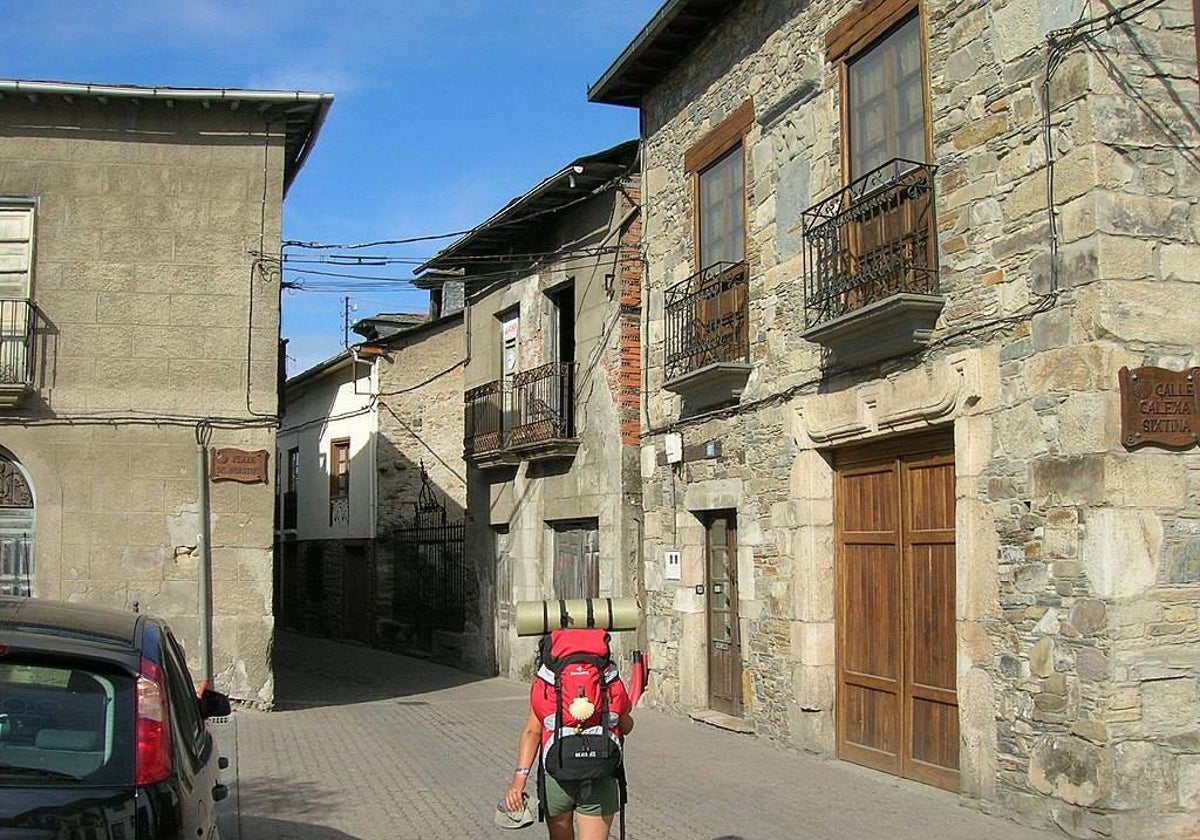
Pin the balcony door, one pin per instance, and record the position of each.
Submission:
(561, 352)
(16, 270)
(510, 364)
(885, 125)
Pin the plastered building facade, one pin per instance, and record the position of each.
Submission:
(141, 313)
(889, 511)
(551, 383)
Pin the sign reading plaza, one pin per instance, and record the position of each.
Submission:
(239, 465)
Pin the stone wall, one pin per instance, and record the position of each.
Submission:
(153, 313)
(1077, 595)
(420, 412)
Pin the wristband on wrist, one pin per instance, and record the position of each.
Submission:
(522, 771)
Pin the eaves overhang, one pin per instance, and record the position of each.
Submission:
(670, 36)
(302, 113)
(577, 180)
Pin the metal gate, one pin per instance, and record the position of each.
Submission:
(429, 584)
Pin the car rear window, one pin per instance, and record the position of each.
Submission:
(64, 724)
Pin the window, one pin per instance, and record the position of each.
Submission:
(885, 101)
(293, 469)
(510, 363)
(339, 469)
(16, 248)
(184, 706)
(576, 571)
(718, 164)
(16, 270)
(65, 724)
(722, 201)
(339, 482)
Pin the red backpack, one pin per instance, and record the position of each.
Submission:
(579, 698)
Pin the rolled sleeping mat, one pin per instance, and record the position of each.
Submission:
(536, 618)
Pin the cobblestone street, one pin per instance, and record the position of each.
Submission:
(375, 746)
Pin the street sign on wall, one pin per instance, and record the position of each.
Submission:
(238, 465)
(1159, 407)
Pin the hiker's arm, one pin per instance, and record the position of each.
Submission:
(527, 745)
(625, 723)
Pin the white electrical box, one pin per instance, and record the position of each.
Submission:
(672, 565)
(674, 446)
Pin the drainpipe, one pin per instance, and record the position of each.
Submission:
(204, 552)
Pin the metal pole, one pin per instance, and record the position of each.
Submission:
(204, 553)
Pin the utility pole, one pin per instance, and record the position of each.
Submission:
(346, 322)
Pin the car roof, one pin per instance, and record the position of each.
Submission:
(37, 617)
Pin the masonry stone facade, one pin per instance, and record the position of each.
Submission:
(155, 320)
(1073, 575)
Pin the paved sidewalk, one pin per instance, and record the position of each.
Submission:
(373, 746)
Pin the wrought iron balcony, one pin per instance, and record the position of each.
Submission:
(483, 420)
(870, 264)
(708, 348)
(534, 418)
(18, 323)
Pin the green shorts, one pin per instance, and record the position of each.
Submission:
(592, 798)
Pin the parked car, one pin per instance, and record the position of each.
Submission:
(102, 734)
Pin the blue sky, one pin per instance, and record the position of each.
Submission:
(445, 109)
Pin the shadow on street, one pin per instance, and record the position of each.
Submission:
(312, 672)
(265, 828)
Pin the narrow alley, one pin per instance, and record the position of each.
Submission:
(374, 746)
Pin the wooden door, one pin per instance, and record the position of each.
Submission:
(724, 644)
(897, 708)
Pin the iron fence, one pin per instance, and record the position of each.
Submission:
(871, 240)
(706, 319)
(430, 576)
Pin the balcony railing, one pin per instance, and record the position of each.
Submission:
(537, 408)
(18, 321)
(871, 241)
(706, 319)
(483, 419)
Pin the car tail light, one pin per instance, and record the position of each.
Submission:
(152, 762)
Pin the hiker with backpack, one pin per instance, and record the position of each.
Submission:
(573, 736)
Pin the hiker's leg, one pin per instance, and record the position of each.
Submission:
(561, 826)
(593, 828)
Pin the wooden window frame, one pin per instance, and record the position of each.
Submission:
(334, 446)
(722, 139)
(858, 31)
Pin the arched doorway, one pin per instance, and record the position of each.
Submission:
(16, 528)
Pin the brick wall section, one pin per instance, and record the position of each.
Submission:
(629, 378)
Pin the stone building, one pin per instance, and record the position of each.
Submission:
(553, 292)
(898, 253)
(139, 243)
(370, 448)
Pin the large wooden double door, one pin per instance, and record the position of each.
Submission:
(897, 705)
